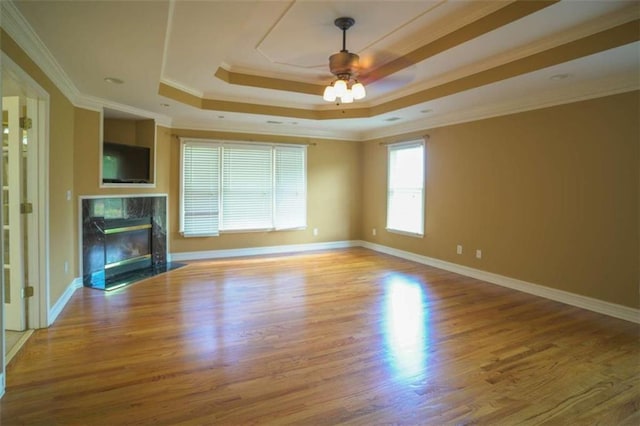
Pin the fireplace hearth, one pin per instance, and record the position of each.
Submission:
(124, 239)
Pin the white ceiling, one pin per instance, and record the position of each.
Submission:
(183, 43)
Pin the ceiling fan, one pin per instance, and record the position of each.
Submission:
(345, 66)
(350, 74)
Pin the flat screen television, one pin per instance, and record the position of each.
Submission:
(125, 163)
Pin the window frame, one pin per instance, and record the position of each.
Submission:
(273, 148)
(395, 147)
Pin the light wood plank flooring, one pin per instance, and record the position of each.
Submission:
(347, 336)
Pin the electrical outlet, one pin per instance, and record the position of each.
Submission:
(374, 232)
(68, 195)
(459, 249)
(315, 232)
(478, 254)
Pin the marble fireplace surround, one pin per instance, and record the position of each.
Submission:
(97, 212)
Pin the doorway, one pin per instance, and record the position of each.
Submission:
(23, 169)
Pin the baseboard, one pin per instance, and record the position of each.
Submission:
(55, 310)
(611, 309)
(257, 251)
(607, 308)
(16, 348)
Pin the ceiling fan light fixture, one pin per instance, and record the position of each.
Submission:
(344, 65)
(329, 94)
(340, 88)
(358, 91)
(348, 97)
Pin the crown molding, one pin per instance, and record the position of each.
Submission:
(265, 129)
(607, 39)
(575, 34)
(473, 26)
(28, 40)
(160, 119)
(167, 37)
(253, 80)
(182, 87)
(23, 34)
(583, 92)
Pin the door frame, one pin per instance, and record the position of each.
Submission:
(37, 305)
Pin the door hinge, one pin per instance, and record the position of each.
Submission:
(25, 123)
(26, 208)
(27, 292)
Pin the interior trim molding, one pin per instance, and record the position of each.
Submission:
(17, 27)
(98, 104)
(16, 348)
(606, 308)
(610, 309)
(23, 34)
(62, 301)
(561, 96)
(503, 16)
(286, 130)
(602, 307)
(252, 80)
(604, 40)
(257, 251)
(481, 25)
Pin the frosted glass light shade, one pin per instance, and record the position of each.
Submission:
(329, 94)
(358, 91)
(347, 98)
(340, 88)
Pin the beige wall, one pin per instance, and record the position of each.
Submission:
(333, 194)
(87, 148)
(549, 196)
(120, 131)
(61, 159)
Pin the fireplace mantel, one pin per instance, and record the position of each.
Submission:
(100, 216)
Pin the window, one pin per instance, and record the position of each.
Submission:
(200, 189)
(242, 187)
(405, 188)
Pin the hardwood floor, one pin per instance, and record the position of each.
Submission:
(347, 336)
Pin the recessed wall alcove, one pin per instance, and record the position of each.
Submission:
(124, 239)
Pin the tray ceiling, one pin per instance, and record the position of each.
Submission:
(260, 65)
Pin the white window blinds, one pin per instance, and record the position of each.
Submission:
(291, 188)
(257, 187)
(200, 189)
(405, 192)
(246, 187)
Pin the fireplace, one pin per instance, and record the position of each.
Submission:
(127, 245)
(123, 239)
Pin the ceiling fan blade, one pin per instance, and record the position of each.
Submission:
(386, 71)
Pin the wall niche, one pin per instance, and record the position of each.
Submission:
(127, 154)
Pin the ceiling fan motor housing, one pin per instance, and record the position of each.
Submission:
(344, 64)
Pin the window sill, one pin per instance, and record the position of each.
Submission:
(242, 231)
(408, 234)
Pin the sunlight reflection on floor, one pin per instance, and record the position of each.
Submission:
(405, 327)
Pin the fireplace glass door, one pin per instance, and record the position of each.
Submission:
(128, 246)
